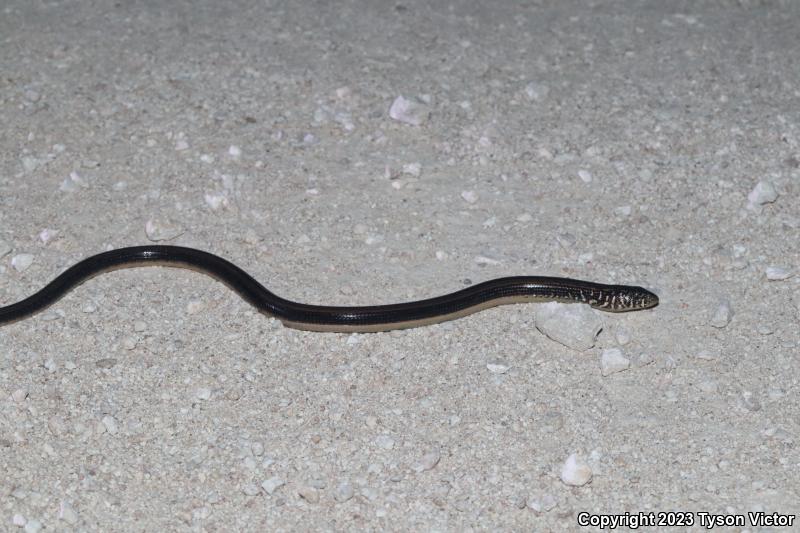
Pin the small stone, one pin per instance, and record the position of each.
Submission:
(409, 111)
(497, 367)
(203, 393)
(482, 260)
(750, 402)
(344, 491)
(47, 235)
(309, 494)
(775, 273)
(763, 193)
(29, 164)
(536, 91)
(110, 424)
(234, 151)
(585, 176)
(216, 200)
(67, 513)
(612, 361)
(765, 329)
(89, 308)
(162, 230)
(623, 211)
(574, 326)
(72, 183)
(33, 526)
(181, 145)
(413, 169)
(723, 315)
(18, 520)
(129, 342)
(542, 503)
(21, 262)
(469, 196)
(575, 472)
(623, 336)
(106, 363)
(426, 462)
(19, 395)
(385, 442)
(525, 217)
(272, 484)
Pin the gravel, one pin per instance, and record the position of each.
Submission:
(378, 152)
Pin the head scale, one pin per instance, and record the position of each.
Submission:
(621, 299)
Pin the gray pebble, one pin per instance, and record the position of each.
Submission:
(574, 326)
(763, 193)
(426, 462)
(409, 111)
(612, 361)
(343, 492)
(272, 484)
(723, 314)
(775, 273)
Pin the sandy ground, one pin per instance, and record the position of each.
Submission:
(610, 141)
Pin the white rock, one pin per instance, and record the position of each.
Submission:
(21, 262)
(33, 526)
(72, 183)
(497, 367)
(723, 315)
(536, 91)
(67, 513)
(19, 395)
(181, 145)
(47, 235)
(585, 176)
(426, 462)
(775, 273)
(542, 503)
(574, 326)
(110, 424)
(216, 200)
(469, 196)
(409, 111)
(203, 393)
(344, 491)
(763, 193)
(623, 211)
(18, 520)
(623, 336)
(234, 151)
(486, 261)
(162, 230)
(29, 163)
(524, 217)
(612, 361)
(413, 169)
(575, 472)
(272, 484)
